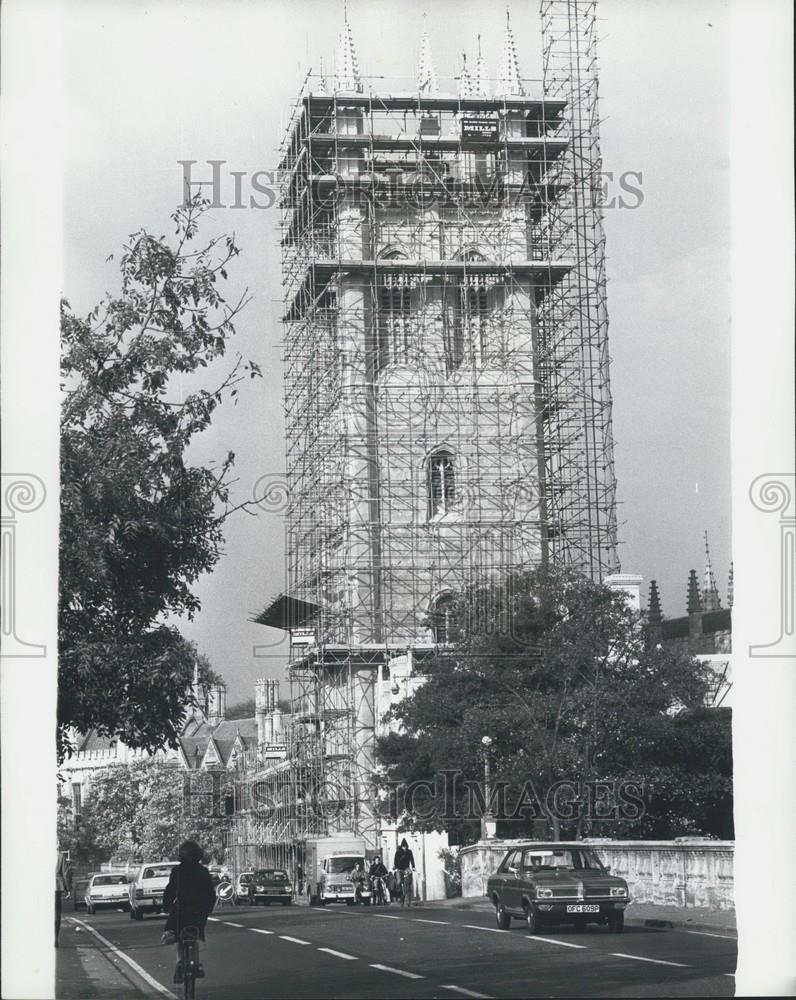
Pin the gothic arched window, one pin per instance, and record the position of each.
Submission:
(441, 483)
(394, 294)
(443, 616)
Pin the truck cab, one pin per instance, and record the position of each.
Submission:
(335, 884)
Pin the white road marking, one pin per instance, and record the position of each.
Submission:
(215, 920)
(730, 974)
(466, 993)
(229, 923)
(477, 927)
(286, 937)
(728, 937)
(549, 940)
(260, 930)
(386, 916)
(654, 961)
(398, 972)
(420, 920)
(339, 954)
(126, 958)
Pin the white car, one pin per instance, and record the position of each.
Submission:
(243, 888)
(107, 890)
(146, 889)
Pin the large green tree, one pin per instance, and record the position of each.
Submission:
(145, 809)
(139, 522)
(583, 716)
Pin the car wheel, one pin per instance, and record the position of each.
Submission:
(531, 920)
(502, 918)
(580, 925)
(616, 923)
(90, 910)
(139, 914)
(366, 902)
(132, 913)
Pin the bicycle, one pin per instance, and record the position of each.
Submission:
(405, 885)
(378, 890)
(189, 940)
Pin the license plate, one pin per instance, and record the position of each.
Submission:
(584, 908)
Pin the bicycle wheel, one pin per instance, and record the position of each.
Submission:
(189, 975)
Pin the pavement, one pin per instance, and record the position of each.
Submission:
(438, 949)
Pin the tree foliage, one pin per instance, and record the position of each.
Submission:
(139, 522)
(144, 810)
(555, 670)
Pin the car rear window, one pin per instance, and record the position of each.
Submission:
(158, 871)
(110, 880)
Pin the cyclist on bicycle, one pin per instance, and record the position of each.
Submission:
(403, 862)
(378, 870)
(189, 899)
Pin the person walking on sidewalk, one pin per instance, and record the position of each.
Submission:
(189, 899)
(63, 887)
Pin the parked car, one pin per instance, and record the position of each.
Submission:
(558, 883)
(242, 883)
(79, 889)
(269, 885)
(107, 889)
(146, 889)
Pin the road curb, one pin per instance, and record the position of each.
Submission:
(658, 923)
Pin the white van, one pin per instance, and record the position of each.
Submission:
(335, 884)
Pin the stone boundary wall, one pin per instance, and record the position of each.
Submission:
(688, 873)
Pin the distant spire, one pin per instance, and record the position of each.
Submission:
(348, 77)
(731, 587)
(509, 82)
(654, 613)
(481, 85)
(694, 597)
(426, 75)
(710, 592)
(465, 81)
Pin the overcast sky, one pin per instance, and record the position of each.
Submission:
(148, 85)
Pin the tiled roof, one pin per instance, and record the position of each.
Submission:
(92, 741)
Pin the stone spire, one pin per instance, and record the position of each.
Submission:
(710, 592)
(694, 597)
(481, 85)
(426, 75)
(348, 77)
(654, 613)
(509, 82)
(465, 81)
(731, 587)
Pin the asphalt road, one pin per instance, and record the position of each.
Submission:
(341, 951)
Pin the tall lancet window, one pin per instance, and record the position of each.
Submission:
(394, 320)
(467, 334)
(441, 483)
(443, 619)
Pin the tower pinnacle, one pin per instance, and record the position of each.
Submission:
(509, 82)
(465, 81)
(426, 75)
(481, 85)
(348, 77)
(710, 592)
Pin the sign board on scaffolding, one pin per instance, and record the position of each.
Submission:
(480, 129)
(302, 636)
(276, 751)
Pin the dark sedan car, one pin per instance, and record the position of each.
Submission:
(546, 884)
(271, 885)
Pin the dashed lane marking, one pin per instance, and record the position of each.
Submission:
(149, 980)
(397, 972)
(386, 916)
(339, 954)
(260, 930)
(230, 923)
(654, 961)
(728, 937)
(421, 920)
(466, 993)
(549, 940)
(286, 937)
(477, 927)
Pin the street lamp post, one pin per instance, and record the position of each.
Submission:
(488, 824)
